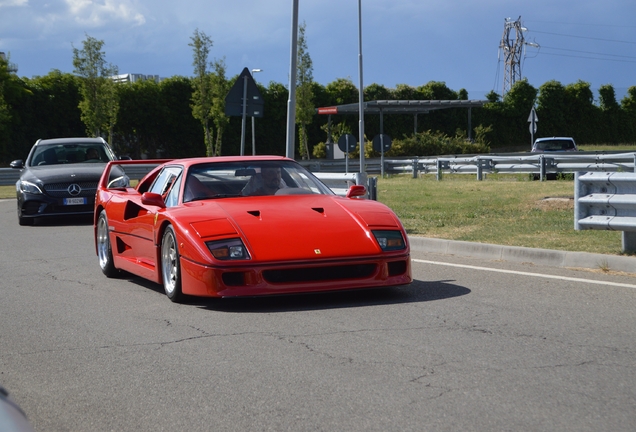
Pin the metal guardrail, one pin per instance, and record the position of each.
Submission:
(478, 165)
(9, 176)
(607, 201)
(340, 183)
(337, 182)
(539, 164)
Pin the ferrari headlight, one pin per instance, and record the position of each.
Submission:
(228, 249)
(28, 187)
(119, 182)
(390, 240)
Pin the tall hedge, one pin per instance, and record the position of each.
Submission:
(155, 119)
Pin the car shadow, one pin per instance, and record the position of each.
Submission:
(416, 292)
(70, 220)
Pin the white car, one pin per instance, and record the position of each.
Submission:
(554, 144)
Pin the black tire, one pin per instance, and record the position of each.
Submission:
(170, 265)
(104, 249)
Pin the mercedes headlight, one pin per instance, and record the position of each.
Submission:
(28, 187)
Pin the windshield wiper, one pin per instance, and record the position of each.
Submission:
(214, 196)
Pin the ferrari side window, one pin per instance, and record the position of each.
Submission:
(164, 180)
(172, 199)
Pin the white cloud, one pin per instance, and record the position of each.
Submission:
(8, 3)
(97, 14)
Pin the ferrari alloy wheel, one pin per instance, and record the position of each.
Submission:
(104, 251)
(170, 267)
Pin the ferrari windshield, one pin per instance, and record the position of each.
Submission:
(226, 179)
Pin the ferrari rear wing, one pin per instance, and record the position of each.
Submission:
(134, 169)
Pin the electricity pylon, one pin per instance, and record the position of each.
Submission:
(512, 44)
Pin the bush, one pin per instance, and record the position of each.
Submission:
(437, 143)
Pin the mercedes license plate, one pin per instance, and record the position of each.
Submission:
(74, 201)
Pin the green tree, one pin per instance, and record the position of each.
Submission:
(611, 116)
(220, 89)
(628, 103)
(552, 108)
(55, 104)
(181, 132)
(5, 115)
(628, 107)
(581, 115)
(305, 109)
(342, 91)
(99, 102)
(141, 117)
(202, 95)
(271, 129)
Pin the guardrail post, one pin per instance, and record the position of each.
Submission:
(579, 191)
(542, 167)
(629, 241)
(361, 179)
(372, 188)
(439, 169)
(415, 163)
(479, 170)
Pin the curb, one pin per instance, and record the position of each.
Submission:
(547, 257)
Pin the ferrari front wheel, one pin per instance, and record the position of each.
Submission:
(170, 267)
(104, 250)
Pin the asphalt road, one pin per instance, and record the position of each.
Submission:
(472, 345)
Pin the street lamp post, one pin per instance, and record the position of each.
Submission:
(362, 176)
(253, 129)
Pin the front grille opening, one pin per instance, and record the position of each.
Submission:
(234, 278)
(397, 268)
(317, 274)
(60, 190)
(31, 207)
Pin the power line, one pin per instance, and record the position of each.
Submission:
(591, 58)
(588, 52)
(583, 24)
(585, 37)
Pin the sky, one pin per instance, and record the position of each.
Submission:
(408, 42)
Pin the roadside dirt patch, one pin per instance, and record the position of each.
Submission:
(556, 203)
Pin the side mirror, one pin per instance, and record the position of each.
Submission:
(17, 164)
(356, 191)
(153, 199)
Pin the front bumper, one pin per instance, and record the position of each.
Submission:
(206, 281)
(41, 205)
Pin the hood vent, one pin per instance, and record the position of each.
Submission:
(256, 213)
(318, 210)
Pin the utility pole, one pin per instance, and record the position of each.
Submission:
(512, 45)
(291, 102)
(253, 128)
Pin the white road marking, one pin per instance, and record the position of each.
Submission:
(596, 282)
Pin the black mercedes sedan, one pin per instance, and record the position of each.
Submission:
(60, 177)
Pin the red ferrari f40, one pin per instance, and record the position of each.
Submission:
(246, 226)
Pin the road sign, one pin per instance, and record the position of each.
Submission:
(244, 85)
(347, 143)
(382, 143)
(533, 119)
